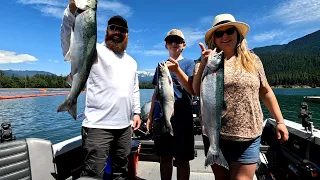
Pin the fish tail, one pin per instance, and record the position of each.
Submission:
(70, 106)
(213, 158)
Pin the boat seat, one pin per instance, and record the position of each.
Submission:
(30, 158)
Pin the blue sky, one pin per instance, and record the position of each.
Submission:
(30, 29)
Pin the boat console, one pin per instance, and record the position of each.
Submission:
(298, 158)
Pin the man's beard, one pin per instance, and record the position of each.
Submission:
(116, 45)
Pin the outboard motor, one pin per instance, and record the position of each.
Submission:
(6, 133)
(305, 116)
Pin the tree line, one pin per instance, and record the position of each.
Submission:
(281, 69)
(292, 69)
(43, 81)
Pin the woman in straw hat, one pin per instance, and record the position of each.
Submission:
(244, 83)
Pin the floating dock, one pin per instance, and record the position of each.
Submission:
(31, 95)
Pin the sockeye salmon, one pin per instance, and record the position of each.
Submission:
(82, 52)
(212, 106)
(165, 95)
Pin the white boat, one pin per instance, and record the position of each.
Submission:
(39, 159)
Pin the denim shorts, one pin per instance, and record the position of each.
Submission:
(244, 152)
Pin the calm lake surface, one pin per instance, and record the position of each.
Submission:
(37, 117)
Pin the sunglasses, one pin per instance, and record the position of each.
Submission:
(121, 29)
(176, 40)
(228, 31)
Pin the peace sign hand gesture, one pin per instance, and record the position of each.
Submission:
(204, 53)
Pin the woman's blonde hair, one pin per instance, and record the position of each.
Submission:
(244, 55)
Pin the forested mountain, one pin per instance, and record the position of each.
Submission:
(294, 64)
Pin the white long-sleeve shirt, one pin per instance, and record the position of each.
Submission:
(112, 90)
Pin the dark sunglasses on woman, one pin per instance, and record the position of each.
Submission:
(228, 31)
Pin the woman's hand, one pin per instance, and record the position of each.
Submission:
(282, 132)
(205, 53)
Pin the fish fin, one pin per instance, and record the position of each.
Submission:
(69, 79)
(70, 106)
(216, 158)
(67, 57)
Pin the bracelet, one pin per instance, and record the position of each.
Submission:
(280, 123)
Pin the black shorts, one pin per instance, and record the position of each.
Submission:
(180, 147)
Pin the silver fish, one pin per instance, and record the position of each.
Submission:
(212, 106)
(145, 111)
(82, 52)
(166, 95)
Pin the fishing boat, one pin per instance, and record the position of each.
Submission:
(33, 158)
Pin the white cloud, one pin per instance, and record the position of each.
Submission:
(159, 45)
(152, 70)
(45, 2)
(55, 61)
(155, 52)
(115, 8)
(296, 11)
(135, 47)
(11, 57)
(141, 30)
(206, 20)
(193, 36)
(146, 73)
(56, 12)
(55, 8)
(267, 36)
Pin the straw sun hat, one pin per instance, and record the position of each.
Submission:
(224, 20)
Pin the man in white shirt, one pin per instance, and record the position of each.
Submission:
(112, 99)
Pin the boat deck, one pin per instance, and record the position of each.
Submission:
(147, 170)
(151, 170)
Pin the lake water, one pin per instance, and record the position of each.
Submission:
(38, 117)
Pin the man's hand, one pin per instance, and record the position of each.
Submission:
(72, 7)
(136, 122)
